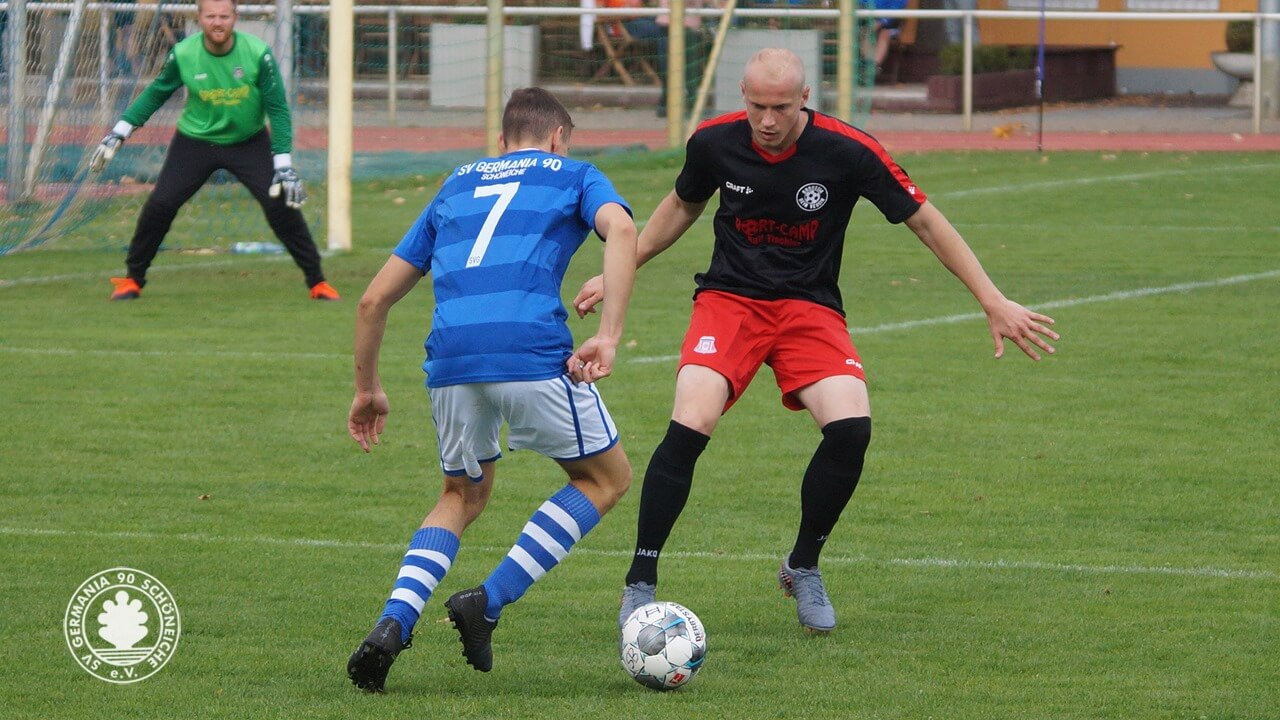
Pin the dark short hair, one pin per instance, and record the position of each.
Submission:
(534, 114)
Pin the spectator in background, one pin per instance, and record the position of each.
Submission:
(4, 29)
(955, 26)
(121, 42)
(697, 44)
(159, 26)
(886, 30)
(312, 44)
(774, 23)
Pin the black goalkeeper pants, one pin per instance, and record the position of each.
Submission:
(187, 167)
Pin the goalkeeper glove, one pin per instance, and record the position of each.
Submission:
(286, 180)
(107, 148)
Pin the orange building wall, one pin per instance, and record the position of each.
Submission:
(1179, 44)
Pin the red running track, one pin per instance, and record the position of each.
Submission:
(392, 139)
(368, 139)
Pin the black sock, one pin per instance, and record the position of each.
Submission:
(828, 484)
(666, 488)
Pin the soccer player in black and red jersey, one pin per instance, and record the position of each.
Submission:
(788, 179)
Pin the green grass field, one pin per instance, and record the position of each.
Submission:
(1093, 536)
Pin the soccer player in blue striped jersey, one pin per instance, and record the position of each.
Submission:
(497, 240)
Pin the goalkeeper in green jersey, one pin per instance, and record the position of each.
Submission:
(233, 87)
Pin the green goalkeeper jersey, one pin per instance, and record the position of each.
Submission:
(229, 97)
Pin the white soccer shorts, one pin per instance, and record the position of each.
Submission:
(555, 418)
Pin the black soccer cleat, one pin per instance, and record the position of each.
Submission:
(466, 612)
(369, 664)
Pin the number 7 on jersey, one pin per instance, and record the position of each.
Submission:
(505, 192)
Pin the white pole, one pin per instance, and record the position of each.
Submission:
(65, 54)
(1270, 46)
(341, 61)
(283, 48)
(967, 81)
(1257, 76)
(15, 49)
(493, 79)
(845, 62)
(393, 70)
(675, 75)
(104, 59)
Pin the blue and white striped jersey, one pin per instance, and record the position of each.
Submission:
(497, 240)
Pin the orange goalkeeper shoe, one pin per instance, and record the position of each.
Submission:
(125, 289)
(324, 291)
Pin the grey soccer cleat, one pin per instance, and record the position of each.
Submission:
(369, 664)
(633, 596)
(813, 607)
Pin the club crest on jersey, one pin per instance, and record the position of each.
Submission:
(238, 73)
(812, 197)
(706, 345)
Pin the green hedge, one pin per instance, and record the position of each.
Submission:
(1240, 36)
(986, 58)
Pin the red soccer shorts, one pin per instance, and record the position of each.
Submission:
(802, 341)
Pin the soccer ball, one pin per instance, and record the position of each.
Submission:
(662, 645)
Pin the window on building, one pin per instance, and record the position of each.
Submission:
(1052, 4)
(1172, 5)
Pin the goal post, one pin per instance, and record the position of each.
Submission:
(15, 61)
(53, 91)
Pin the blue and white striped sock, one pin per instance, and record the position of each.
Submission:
(431, 552)
(561, 521)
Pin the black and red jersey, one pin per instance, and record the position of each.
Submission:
(779, 230)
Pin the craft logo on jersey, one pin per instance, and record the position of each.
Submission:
(706, 345)
(122, 625)
(238, 73)
(812, 197)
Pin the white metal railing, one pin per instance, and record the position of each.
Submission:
(394, 13)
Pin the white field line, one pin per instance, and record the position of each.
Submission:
(971, 192)
(1048, 305)
(1126, 228)
(1077, 182)
(96, 275)
(176, 353)
(921, 562)
(648, 359)
(1072, 302)
(200, 265)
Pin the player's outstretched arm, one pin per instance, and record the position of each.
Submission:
(1005, 318)
(369, 409)
(669, 221)
(594, 359)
